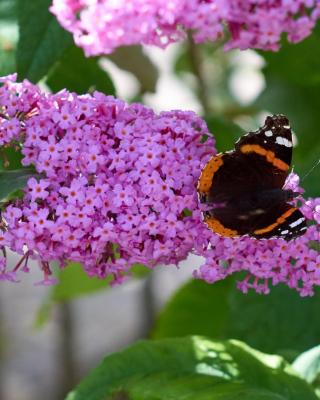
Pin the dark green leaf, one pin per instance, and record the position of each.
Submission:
(298, 64)
(42, 41)
(224, 131)
(192, 368)
(79, 74)
(221, 311)
(13, 180)
(198, 309)
(12, 158)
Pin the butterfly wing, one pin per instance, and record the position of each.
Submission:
(244, 186)
(272, 143)
(260, 161)
(287, 222)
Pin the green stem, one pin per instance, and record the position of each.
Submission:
(196, 62)
(67, 363)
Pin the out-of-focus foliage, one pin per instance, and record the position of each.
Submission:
(221, 311)
(79, 74)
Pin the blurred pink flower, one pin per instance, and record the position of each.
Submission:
(99, 27)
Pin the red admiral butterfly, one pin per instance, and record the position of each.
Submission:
(244, 187)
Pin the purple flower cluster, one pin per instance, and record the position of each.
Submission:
(101, 26)
(266, 262)
(118, 187)
(117, 181)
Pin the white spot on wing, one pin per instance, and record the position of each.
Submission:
(243, 217)
(268, 133)
(286, 126)
(284, 232)
(283, 141)
(297, 222)
(257, 211)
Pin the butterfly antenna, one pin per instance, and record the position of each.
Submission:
(303, 178)
(309, 172)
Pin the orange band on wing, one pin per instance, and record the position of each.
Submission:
(212, 166)
(279, 221)
(218, 228)
(269, 155)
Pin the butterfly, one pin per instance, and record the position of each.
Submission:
(243, 189)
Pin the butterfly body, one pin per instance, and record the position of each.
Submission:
(244, 188)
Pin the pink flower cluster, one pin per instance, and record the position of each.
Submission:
(101, 26)
(117, 183)
(266, 262)
(117, 186)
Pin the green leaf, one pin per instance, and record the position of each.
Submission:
(221, 311)
(42, 41)
(308, 366)
(75, 282)
(12, 158)
(192, 368)
(140, 271)
(79, 74)
(14, 180)
(43, 314)
(197, 308)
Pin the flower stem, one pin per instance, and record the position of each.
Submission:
(66, 345)
(196, 62)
